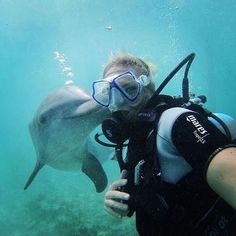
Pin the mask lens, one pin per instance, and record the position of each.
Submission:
(101, 92)
(116, 99)
(128, 85)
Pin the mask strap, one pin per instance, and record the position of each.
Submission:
(144, 80)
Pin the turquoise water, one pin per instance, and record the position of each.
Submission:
(164, 32)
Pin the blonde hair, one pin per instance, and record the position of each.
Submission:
(138, 64)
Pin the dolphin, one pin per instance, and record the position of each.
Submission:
(59, 130)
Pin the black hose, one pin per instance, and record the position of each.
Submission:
(189, 59)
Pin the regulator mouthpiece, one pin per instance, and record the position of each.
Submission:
(116, 128)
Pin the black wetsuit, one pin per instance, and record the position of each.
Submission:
(181, 203)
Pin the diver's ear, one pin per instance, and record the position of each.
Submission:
(144, 80)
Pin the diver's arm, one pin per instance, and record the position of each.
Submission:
(209, 153)
(221, 175)
(114, 198)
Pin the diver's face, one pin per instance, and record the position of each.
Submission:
(118, 101)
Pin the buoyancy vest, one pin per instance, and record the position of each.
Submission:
(188, 207)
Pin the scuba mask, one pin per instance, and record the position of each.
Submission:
(113, 91)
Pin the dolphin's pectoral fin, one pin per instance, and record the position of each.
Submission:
(94, 170)
(37, 168)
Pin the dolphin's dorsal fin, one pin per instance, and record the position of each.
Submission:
(94, 170)
(37, 168)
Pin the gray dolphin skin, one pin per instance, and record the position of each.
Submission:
(59, 130)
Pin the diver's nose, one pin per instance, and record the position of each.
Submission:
(116, 99)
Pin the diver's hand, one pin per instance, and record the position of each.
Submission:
(114, 197)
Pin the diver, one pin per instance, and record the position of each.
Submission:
(179, 169)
